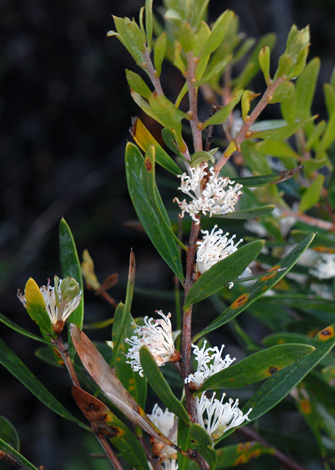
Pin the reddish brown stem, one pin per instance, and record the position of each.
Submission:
(109, 452)
(63, 351)
(193, 102)
(243, 133)
(152, 73)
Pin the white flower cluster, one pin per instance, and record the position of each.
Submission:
(209, 193)
(60, 300)
(217, 417)
(167, 423)
(157, 336)
(209, 362)
(214, 247)
(325, 267)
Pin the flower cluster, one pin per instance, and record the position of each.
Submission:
(167, 423)
(209, 193)
(209, 362)
(157, 336)
(217, 417)
(325, 267)
(60, 300)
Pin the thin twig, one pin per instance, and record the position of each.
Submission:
(109, 451)
(63, 351)
(193, 102)
(152, 73)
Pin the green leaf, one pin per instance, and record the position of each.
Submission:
(329, 93)
(321, 243)
(148, 21)
(259, 288)
(159, 53)
(289, 109)
(259, 366)
(144, 140)
(104, 421)
(217, 34)
(278, 386)
(9, 434)
(312, 194)
(149, 206)
(48, 356)
(130, 35)
(223, 113)
(36, 309)
(281, 133)
(160, 386)
(137, 84)
(223, 272)
(132, 381)
(144, 105)
(71, 267)
(231, 456)
(281, 338)
(276, 148)
(186, 37)
(17, 456)
(203, 444)
(305, 88)
(16, 367)
(250, 213)
(247, 97)
(328, 136)
(21, 330)
(183, 443)
(283, 93)
(200, 157)
(273, 178)
(264, 62)
(217, 69)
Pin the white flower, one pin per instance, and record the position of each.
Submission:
(217, 417)
(167, 423)
(214, 247)
(208, 191)
(157, 336)
(322, 290)
(60, 300)
(209, 362)
(325, 267)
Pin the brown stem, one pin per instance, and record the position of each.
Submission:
(109, 451)
(284, 459)
(152, 73)
(64, 352)
(155, 463)
(109, 299)
(244, 131)
(193, 102)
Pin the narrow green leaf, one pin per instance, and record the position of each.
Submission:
(329, 93)
(289, 109)
(159, 53)
(48, 356)
(273, 178)
(259, 366)
(144, 105)
(160, 386)
(203, 444)
(149, 206)
(19, 457)
(328, 136)
(16, 367)
(186, 37)
(217, 34)
(281, 338)
(278, 386)
(223, 113)
(217, 69)
(137, 84)
(21, 330)
(144, 140)
(250, 213)
(223, 272)
(9, 434)
(312, 194)
(259, 288)
(281, 133)
(264, 62)
(229, 456)
(315, 135)
(148, 21)
(71, 267)
(322, 242)
(276, 148)
(132, 381)
(183, 443)
(305, 88)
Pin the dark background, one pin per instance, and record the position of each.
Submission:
(65, 112)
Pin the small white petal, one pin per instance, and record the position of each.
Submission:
(166, 422)
(325, 267)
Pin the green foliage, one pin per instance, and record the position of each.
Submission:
(289, 161)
